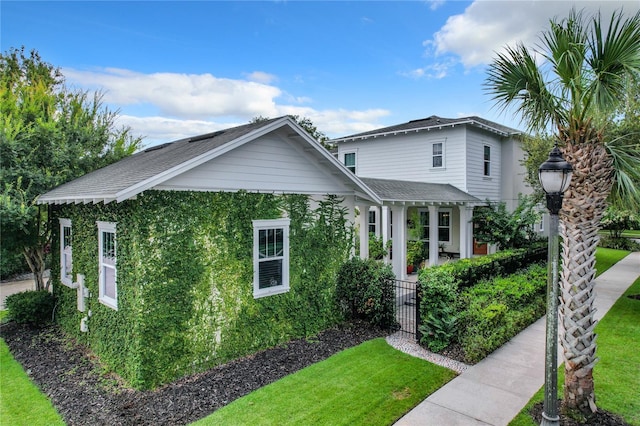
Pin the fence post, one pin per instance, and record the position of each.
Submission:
(418, 318)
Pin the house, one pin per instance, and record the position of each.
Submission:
(191, 253)
(430, 174)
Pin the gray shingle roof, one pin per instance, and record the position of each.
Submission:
(106, 183)
(435, 122)
(419, 192)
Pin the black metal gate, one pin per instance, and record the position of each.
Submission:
(406, 307)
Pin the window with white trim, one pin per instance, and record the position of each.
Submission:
(437, 155)
(487, 160)
(270, 257)
(66, 257)
(350, 161)
(372, 222)
(108, 289)
(444, 225)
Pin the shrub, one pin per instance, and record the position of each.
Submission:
(31, 307)
(438, 293)
(619, 243)
(494, 311)
(365, 290)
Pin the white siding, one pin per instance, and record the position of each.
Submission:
(408, 156)
(478, 184)
(268, 164)
(512, 155)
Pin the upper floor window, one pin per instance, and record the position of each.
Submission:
(66, 259)
(270, 257)
(437, 154)
(108, 290)
(350, 161)
(487, 160)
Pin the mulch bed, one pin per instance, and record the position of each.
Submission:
(599, 418)
(84, 394)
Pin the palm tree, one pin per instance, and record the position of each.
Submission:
(571, 82)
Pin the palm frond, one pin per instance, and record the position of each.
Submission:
(626, 180)
(612, 57)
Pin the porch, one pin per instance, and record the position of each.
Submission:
(435, 218)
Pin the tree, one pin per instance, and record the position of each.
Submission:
(495, 225)
(48, 135)
(572, 81)
(306, 124)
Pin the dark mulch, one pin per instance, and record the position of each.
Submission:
(84, 395)
(599, 418)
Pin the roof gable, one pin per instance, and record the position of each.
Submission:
(151, 167)
(432, 123)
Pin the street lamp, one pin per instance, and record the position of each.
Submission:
(555, 177)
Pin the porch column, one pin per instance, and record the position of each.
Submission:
(466, 231)
(364, 231)
(385, 228)
(399, 241)
(433, 235)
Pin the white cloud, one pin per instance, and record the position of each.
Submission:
(435, 4)
(487, 26)
(164, 107)
(161, 129)
(180, 95)
(261, 77)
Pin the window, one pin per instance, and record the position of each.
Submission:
(270, 257)
(444, 225)
(372, 221)
(487, 160)
(350, 161)
(437, 154)
(108, 290)
(66, 259)
(424, 225)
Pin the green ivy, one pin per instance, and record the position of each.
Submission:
(185, 279)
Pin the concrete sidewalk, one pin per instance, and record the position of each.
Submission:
(494, 391)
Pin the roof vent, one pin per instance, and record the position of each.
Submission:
(157, 147)
(207, 136)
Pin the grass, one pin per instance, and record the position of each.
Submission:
(21, 402)
(617, 375)
(606, 258)
(370, 384)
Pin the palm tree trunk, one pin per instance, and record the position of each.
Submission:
(584, 205)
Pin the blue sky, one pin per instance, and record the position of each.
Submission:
(176, 69)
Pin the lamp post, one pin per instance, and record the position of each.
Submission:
(555, 176)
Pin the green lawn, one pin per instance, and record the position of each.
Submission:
(21, 402)
(371, 384)
(617, 374)
(606, 258)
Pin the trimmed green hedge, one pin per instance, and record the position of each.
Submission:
(185, 274)
(494, 311)
(481, 303)
(365, 290)
(31, 307)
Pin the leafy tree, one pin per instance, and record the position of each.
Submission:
(48, 135)
(572, 82)
(306, 124)
(617, 221)
(495, 225)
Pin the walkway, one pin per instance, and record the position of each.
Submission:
(494, 391)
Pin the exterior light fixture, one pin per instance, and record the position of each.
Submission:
(555, 177)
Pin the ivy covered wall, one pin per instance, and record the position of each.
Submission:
(185, 279)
